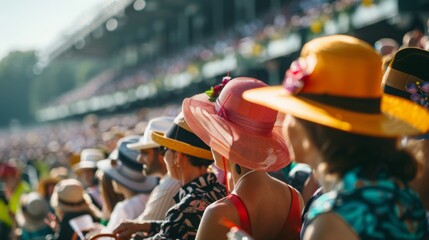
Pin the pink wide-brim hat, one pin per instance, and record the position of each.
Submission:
(243, 132)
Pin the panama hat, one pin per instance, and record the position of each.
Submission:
(88, 159)
(239, 130)
(179, 137)
(44, 183)
(337, 83)
(69, 196)
(32, 212)
(122, 166)
(159, 124)
(408, 77)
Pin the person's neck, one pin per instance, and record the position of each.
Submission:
(190, 173)
(159, 170)
(161, 173)
(243, 178)
(128, 194)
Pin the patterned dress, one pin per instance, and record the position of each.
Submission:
(380, 209)
(183, 219)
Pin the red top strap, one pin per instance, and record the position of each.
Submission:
(293, 222)
(242, 212)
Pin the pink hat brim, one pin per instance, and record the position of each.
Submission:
(266, 152)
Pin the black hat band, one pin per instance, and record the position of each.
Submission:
(180, 134)
(362, 105)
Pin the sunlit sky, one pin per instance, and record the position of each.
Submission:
(34, 24)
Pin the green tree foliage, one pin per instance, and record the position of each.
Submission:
(22, 92)
(15, 77)
(60, 77)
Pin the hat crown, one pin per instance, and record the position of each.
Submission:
(122, 166)
(70, 190)
(160, 124)
(35, 206)
(247, 115)
(128, 157)
(91, 154)
(342, 66)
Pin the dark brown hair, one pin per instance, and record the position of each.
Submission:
(110, 197)
(199, 162)
(343, 151)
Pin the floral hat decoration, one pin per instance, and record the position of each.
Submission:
(336, 82)
(241, 131)
(214, 92)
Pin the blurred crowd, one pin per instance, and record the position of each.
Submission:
(250, 35)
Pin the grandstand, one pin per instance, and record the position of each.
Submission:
(170, 49)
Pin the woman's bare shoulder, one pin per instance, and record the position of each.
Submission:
(217, 219)
(221, 207)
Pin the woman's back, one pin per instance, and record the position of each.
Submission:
(266, 201)
(384, 208)
(269, 204)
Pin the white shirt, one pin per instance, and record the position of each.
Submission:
(161, 199)
(127, 209)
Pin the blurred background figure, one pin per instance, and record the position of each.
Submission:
(151, 156)
(386, 46)
(70, 200)
(31, 218)
(12, 188)
(302, 179)
(408, 78)
(128, 180)
(47, 184)
(412, 39)
(108, 195)
(85, 171)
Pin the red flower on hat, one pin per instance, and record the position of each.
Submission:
(296, 76)
(214, 92)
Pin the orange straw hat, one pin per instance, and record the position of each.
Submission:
(239, 130)
(179, 137)
(337, 83)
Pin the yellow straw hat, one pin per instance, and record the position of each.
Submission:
(179, 137)
(336, 82)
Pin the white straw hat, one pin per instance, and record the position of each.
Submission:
(160, 124)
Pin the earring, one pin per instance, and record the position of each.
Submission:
(238, 168)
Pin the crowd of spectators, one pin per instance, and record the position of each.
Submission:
(293, 16)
